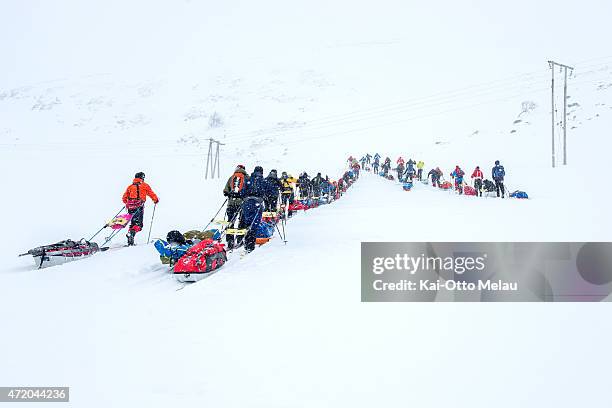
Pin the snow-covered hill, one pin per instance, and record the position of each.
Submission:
(295, 87)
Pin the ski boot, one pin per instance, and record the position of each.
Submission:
(130, 238)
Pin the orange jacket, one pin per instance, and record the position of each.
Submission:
(139, 190)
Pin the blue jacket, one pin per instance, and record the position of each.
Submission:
(458, 174)
(256, 185)
(498, 173)
(272, 186)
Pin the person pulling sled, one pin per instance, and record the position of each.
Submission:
(436, 175)
(498, 174)
(134, 199)
(420, 166)
(477, 176)
(410, 171)
(400, 171)
(253, 207)
(235, 190)
(458, 174)
(287, 192)
(272, 186)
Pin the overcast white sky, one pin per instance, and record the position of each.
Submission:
(469, 41)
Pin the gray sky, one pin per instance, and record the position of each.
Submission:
(441, 42)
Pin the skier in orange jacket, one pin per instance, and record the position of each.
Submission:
(134, 199)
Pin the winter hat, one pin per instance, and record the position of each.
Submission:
(497, 162)
(139, 175)
(273, 173)
(258, 169)
(284, 174)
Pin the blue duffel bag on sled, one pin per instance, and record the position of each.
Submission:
(173, 249)
(407, 186)
(519, 194)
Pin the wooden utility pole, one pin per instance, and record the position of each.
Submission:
(552, 107)
(553, 65)
(213, 164)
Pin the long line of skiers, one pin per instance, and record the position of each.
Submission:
(255, 207)
(412, 170)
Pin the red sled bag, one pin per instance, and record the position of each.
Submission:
(200, 260)
(133, 203)
(469, 190)
(297, 205)
(446, 185)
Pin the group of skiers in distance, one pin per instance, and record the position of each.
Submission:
(408, 171)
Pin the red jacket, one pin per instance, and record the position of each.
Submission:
(477, 174)
(139, 190)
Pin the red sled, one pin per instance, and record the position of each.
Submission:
(446, 185)
(469, 190)
(200, 261)
(297, 206)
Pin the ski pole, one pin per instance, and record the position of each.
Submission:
(110, 237)
(100, 230)
(151, 225)
(279, 233)
(213, 218)
(284, 232)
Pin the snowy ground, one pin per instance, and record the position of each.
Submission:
(285, 325)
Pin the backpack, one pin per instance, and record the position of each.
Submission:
(175, 237)
(488, 185)
(133, 202)
(237, 183)
(256, 186)
(499, 172)
(519, 194)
